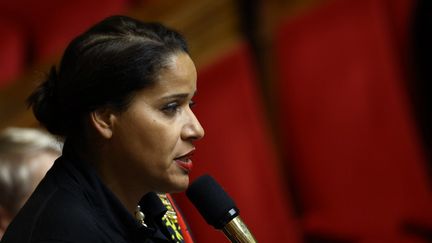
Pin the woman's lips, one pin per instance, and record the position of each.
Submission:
(185, 165)
(185, 161)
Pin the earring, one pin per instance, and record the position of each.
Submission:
(139, 216)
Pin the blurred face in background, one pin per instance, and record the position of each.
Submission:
(25, 171)
(39, 164)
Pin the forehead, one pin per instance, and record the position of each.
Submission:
(178, 76)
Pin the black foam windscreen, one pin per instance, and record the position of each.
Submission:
(212, 201)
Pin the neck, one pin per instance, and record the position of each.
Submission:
(116, 176)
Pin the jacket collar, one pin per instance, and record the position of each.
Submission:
(108, 210)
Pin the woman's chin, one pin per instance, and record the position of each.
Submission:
(181, 184)
(176, 185)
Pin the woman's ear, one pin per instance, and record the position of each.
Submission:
(102, 120)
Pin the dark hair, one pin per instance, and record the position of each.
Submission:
(104, 66)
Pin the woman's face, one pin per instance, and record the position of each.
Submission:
(153, 138)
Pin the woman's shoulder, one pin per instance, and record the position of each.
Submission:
(54, 212)
(66, 216)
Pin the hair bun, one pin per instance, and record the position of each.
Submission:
(45, 105)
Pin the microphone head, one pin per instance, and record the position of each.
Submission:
(212, 201)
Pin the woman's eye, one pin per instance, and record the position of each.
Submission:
(175, 107)
(171, 108)
(192, 104)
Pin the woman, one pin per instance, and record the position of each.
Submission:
(122, 100)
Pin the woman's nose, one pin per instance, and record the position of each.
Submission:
(192, 129)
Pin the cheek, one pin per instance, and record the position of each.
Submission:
(147, 138)
(154, 143)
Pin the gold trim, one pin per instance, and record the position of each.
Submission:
(236, 231)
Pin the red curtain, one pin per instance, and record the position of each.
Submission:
(12, 52)
(345, 115)
(50, 25)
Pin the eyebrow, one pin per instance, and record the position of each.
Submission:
(178, 96)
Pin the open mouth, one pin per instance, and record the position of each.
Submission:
(185, 162)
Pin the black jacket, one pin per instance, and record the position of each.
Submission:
(71, 204)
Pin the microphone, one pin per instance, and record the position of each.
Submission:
(218, 209)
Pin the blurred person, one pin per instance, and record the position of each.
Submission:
(26, 154)
(122, 100)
